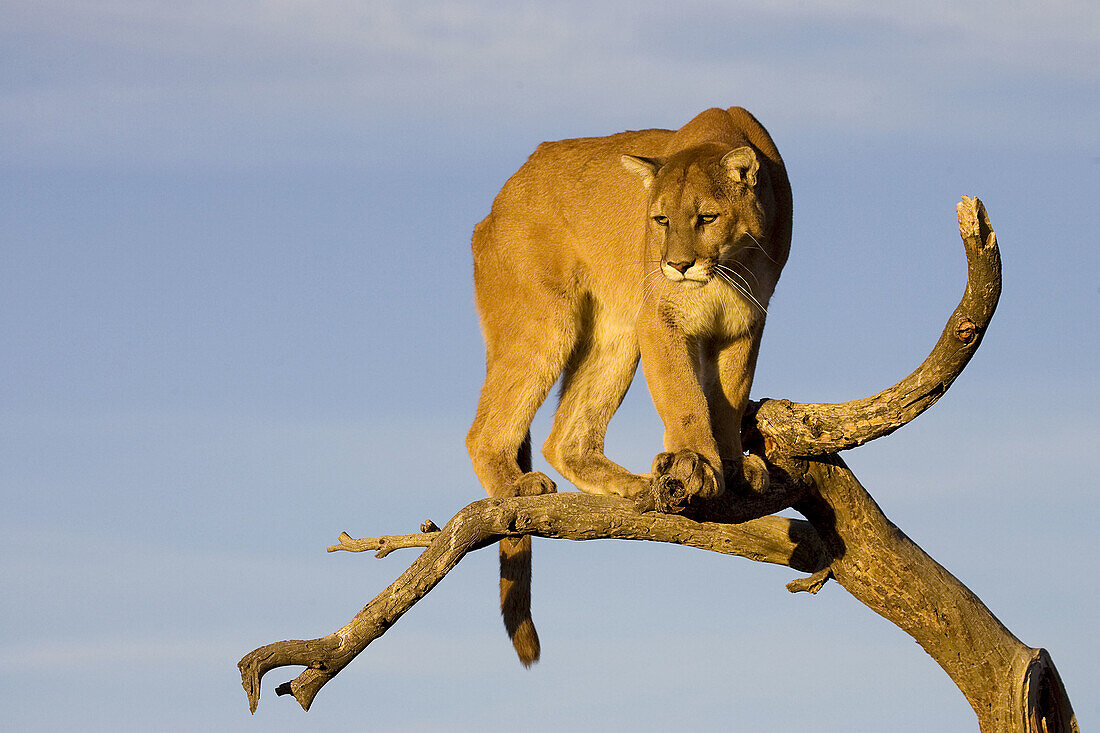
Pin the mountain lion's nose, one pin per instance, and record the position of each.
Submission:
(682, 267)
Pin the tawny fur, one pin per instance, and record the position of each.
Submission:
(655, 244)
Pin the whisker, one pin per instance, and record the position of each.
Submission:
(742, 306)
(761, 248)
(725, 273)
(654, 277)
(651, 278)
(660, 294)
(736, 286)
(746, 268)
(743, 285)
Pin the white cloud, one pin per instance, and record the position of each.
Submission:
(239, 80)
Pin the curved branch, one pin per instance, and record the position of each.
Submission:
(1011, 686)
(811, 429)
(570, 516)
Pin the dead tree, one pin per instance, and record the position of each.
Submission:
(845, 536)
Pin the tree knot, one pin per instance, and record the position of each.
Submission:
(966, 331)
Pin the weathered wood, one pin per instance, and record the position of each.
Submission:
(571, 516)
(889, 573)
(1012, 687)
(812, 429)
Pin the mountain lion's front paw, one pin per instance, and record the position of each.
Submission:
(749, 473)
(755, 473)
(678, 479)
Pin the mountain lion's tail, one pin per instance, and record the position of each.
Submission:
(515, 583)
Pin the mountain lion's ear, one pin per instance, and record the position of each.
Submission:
(644, 168)
(742, 165)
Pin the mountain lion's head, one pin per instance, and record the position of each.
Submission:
(707, 205)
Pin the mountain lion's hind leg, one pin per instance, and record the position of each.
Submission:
(595, 380)
(524, 356)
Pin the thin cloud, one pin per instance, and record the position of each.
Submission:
(84, 654)
(248, 82)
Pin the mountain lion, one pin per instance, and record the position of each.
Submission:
(654, 244)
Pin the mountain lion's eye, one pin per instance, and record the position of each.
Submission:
(707, 218)
(662, 220)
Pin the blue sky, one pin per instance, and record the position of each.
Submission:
(236, 318)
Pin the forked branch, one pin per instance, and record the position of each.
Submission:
(1011, 686)
(571, 516)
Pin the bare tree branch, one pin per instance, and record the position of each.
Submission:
(1012, 687)
(811, 429)
(1006, 682)
(570, 516)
